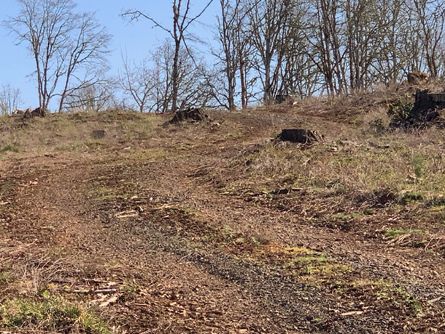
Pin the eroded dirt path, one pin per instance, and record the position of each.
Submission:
(177, 289)
(177, 254)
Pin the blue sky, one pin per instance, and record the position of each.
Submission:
(136, 39)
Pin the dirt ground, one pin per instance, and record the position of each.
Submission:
(185, 229)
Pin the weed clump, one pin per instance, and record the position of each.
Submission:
(377, 126)
(9, 148)
(389, 293)
(410, 197)
(5, 277)
(401, 113)
(393, 233)
(49, 313)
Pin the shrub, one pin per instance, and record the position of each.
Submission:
(377, 126)
(401, 112)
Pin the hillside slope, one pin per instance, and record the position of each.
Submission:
(113, 223)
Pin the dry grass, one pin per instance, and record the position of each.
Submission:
(219, 196)
(26, 303)
(73, 132)
(398, 161)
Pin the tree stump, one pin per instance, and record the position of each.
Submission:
(33, 113)
(425, 106)
(189, 114)
(300, 136)
(285, 99)
(98, 134)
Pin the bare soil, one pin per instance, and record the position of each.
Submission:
(167, 230)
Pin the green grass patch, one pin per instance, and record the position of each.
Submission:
(317, 267)
(411, 197)
(388, 292)
(149, 154)
(104, 193)
(5, 277)
(130, 289)
(393, 233)
(51, 314)
(347, 217)
(81, 146)
(306, 263)
(404, 167)
(419, 164)
(9, 148)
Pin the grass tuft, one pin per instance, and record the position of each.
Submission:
(393, 233)
(49, 313)
(5, 277)
(388, 292)
(9, 148)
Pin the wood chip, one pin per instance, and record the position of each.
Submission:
(127, 214)
(109, 301)
(435, 300)
(347, 314)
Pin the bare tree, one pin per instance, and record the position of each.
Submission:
(270, 23)
(397, 43)
(299, 76)
(363, 31)
(327, 34)
(194, 85)
(182, 20)
(9, 99)
(235, 53)
(96, 97)
(138, 82)
(62, 42)
(430, 15)
(87, 51)
(227, 31)
(149, 84)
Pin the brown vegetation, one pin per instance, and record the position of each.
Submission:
(417, 78)
(216, 229)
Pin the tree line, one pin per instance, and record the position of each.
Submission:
(262, 49)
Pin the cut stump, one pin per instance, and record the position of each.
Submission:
(98, 134)
(189, 114)
(300, 136)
